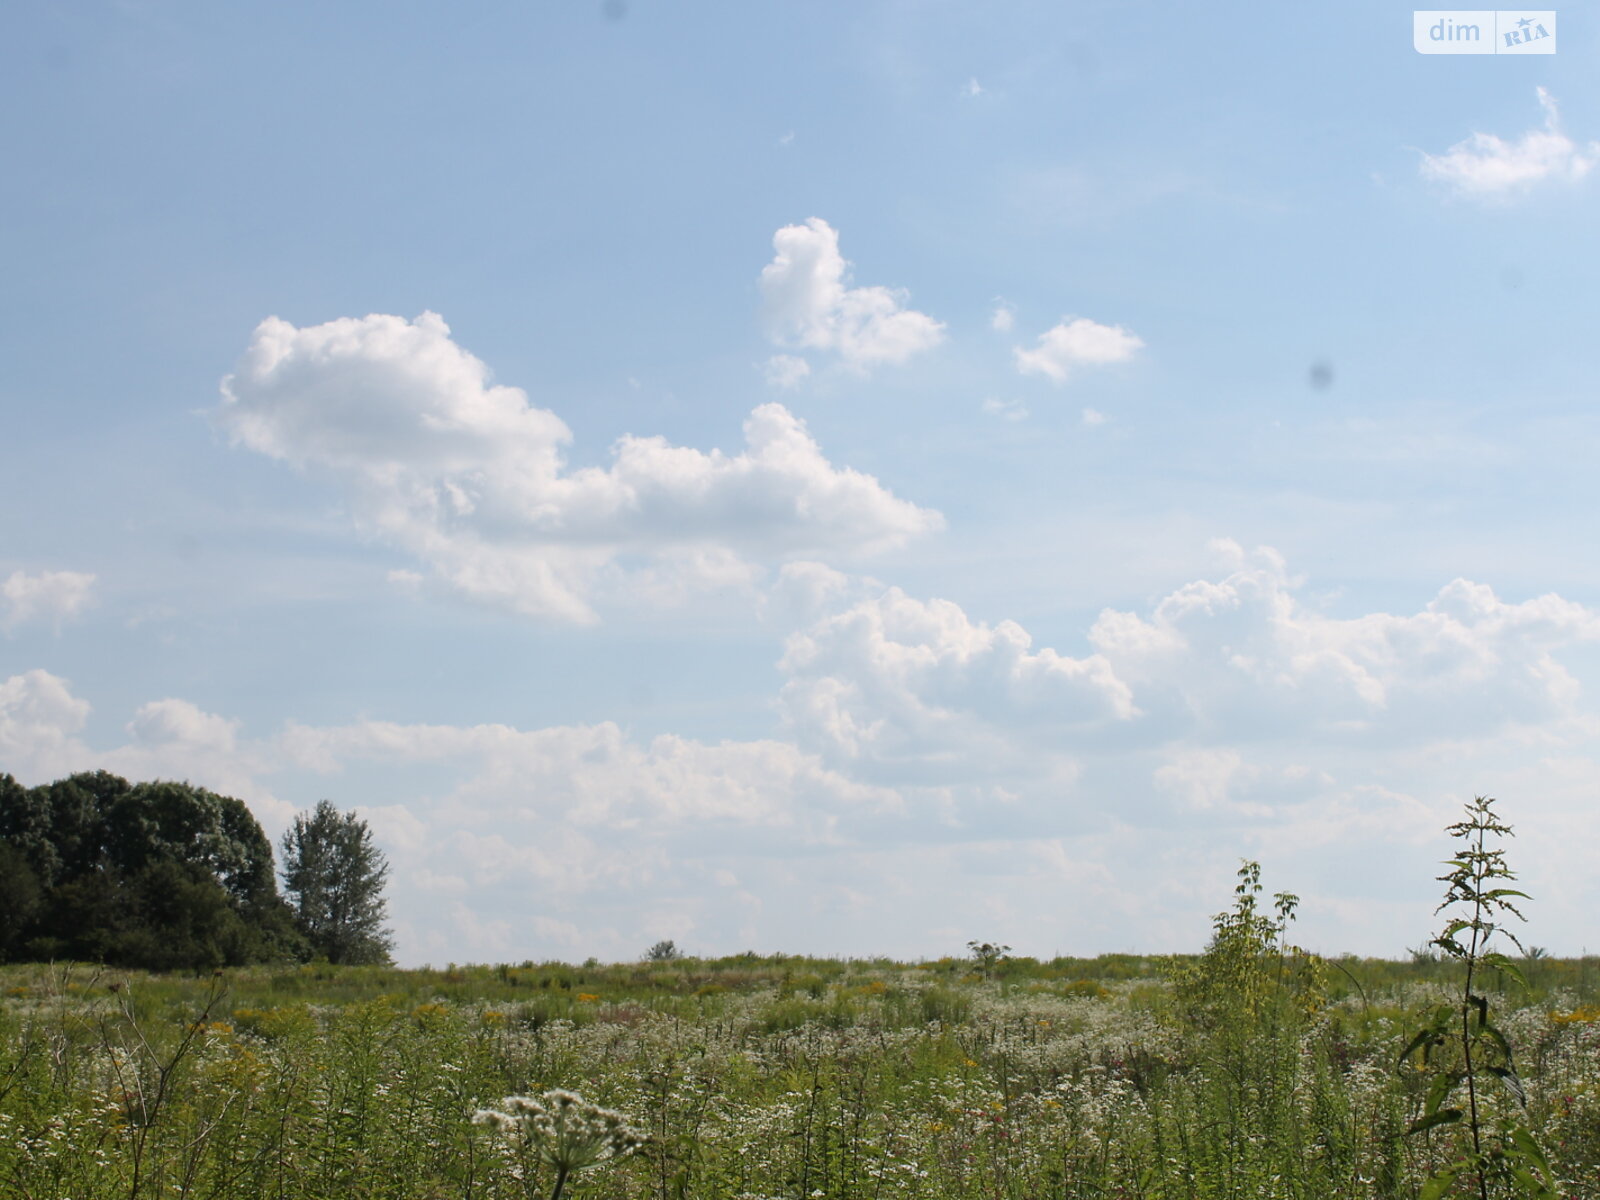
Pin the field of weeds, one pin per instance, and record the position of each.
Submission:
(771, 1077)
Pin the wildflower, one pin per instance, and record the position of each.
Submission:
(563, 1130)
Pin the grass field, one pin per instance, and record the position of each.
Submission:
(770, 1077)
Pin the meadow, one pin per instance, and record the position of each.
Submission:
(1264, 1074)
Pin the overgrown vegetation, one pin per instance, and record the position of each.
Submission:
(1253, 1071)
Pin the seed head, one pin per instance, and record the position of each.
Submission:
(563, 1129)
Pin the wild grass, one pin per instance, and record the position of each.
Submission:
(772, 1077)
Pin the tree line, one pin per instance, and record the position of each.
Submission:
(169, 876)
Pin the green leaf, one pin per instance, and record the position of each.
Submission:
(1427, 1037)
(1439, 1184)
(1445, 1116)
(1506, 967)
(1498, 1038)
(1439, 1090)
(1528, 1146)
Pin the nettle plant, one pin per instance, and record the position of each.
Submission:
(1250, 968)
(562, 1131)
(1462, 1045)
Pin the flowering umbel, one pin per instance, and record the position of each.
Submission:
(564, 1130)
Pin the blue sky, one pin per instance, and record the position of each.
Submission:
(844, 478)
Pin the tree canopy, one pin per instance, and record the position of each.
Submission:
(156, 875)
(334, 875)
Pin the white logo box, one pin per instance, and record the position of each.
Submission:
(1484, 31)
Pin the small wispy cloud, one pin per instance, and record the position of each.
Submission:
(785, 370)
(972, 88)
(1003, 318)
(1077, 342)
(1487, 167)
(1093, 417)
(1006, 410)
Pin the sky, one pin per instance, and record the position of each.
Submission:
(842, 478)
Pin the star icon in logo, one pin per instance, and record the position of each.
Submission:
(1525, 22)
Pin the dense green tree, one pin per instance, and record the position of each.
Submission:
(76, 809)
(334, 875)
(157, 875)
(20, 896)
(26, 827)
(174, 822)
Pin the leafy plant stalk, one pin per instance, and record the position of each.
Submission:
(1460, 1042)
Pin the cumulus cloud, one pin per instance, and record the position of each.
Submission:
(810, 304)
(53, 596)
(177, 739)
(1245, 653)
(1003, 317)
(178, 721)
(1074, 343)
(947, 774)
(470, 478)
(904, 685)
(41, 727)
(907, 692)
(40, 719)
(1488, 167)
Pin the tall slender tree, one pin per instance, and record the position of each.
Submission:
(333, 875)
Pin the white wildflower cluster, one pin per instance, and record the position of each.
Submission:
(563, 1130)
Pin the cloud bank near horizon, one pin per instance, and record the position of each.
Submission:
(927, 758)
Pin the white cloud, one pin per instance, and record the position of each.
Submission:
(1006, 410)
(907, 692)
(908, 683)
(972, 88)
(1073, 343)
(949, 776)
(1244, 654)
(803, 591)
(591, 776)
(1003, 317)
(786, 370)
(809, 303)
(39, 722)
(585, 827)
(166, 721)
(1488, 167)
(53, 596)
(1093, 418)
(470, 478)
(176, 739)
(1203, 777)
